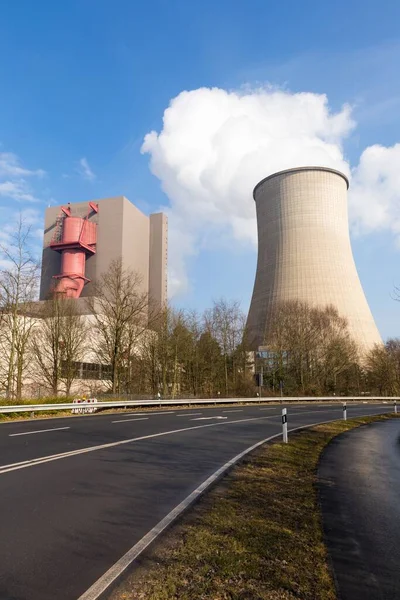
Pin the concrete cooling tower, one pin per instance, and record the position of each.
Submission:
(304, 252)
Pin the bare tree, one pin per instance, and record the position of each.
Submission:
(338, 350)
(59, 343)
(226, 324)
(383, 368)
(120, 312)
(211, 365)
(192, 353)
(162, 354)
(18, 289)
(184, 355)
(309, 347)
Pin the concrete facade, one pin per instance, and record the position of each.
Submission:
(123, 232)
(304, 252)
(158, 258)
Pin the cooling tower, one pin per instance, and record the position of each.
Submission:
(304, 251)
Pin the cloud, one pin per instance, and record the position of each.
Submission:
(216, 145)
(85, 170)
(17, 190)
(375, 191)
(10, 166)
(13, 178)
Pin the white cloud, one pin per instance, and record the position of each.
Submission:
(375, 191)
(17, 190)
(216, 145)
(10, 166)
(13, 183)
(85, 170)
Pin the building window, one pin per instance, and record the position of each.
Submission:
(84, 370)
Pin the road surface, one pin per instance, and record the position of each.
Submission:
(360, 498)
(77, 493)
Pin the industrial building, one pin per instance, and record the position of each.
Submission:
(82, 239)
(304, 252)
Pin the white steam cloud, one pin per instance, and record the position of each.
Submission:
(375, 191)
(216, 145)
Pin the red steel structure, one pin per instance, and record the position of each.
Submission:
(75, 238)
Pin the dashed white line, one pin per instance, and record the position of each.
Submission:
(167, 412)
(39, 431)
(45, 459)
(130, 420)
(189, 415)
(208, 418)
(270, 408)
(229, 411)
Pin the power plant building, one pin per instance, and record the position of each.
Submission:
(82, 239)
(304, 252)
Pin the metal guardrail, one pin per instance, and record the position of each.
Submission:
(187, 402)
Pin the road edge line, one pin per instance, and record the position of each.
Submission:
(96, 591)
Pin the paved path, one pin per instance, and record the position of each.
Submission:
(360, 497)
(77, 493)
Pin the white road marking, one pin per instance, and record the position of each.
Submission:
(270, 408)
(45, 459)
(229, 411)
(103, 583)
(39, 431)
(167, 412)
(130, 420)
(189, 415)
(207, 418)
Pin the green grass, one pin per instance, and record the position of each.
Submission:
(256, 535)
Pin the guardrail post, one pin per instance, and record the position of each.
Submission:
(395, 407)
(284, 425)
(345, 411)
(32, 415)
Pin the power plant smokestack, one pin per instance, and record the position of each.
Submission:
(304, 252)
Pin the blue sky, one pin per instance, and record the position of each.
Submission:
(89, 79)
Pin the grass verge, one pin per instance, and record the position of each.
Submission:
(257, 535)
(23, 416)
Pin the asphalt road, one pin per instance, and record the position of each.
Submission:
(77, 493)
(360, 498)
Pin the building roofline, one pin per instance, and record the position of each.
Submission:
(295, 170)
